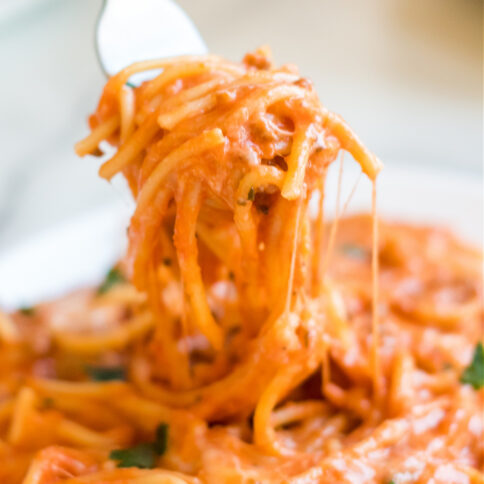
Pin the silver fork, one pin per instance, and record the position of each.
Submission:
(78, 253)
(134, 30)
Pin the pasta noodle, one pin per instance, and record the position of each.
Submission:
(244, 339)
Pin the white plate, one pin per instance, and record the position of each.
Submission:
(72, 255)
(79, 253)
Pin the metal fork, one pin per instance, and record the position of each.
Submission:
(134, 30)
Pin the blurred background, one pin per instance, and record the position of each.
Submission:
(406, 75)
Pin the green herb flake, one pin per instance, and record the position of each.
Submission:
(131, 85)
(161, 439)
(47, 402)
(167, 261)
(474, 373)
(354, 251)
(141, 455)
(251, 194)
(113, 277)
(27, 310)
(106, 373)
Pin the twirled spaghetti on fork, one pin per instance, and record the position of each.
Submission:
(254, 342)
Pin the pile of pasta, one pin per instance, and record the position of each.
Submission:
(244, 339)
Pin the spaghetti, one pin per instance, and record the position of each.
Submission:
(253, 342)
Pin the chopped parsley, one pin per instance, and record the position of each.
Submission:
(47, 402)
(474, 373)
(27, 310)
(354, 251)
(106, 373)
(161, 439)
(143, 455)
(251, 194)
(113, 277)
(130, 84)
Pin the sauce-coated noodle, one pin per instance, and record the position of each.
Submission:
(253, 343)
